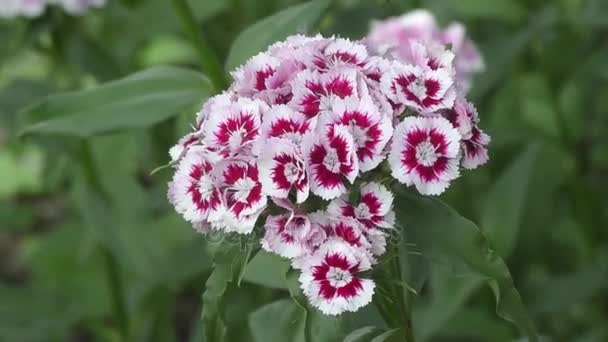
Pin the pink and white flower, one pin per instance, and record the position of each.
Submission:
(231, 129)
(310, 114)
(394, 37)
(330, 157)
(292, 235)
(370, 129)
(373, 211)
(475, 151)
(425, 153)
(183, 145)
(283, 122)
(432, 56)
(331, 281)
(242, 195)
(465, 118)
(213, 104)
(397, 32)
(468, 61)
(426, 91)
(194, 192)
(251, 78)
(341, 52)
(282, 169)
(375, 207)
(314, 92)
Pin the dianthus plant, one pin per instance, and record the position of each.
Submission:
(305, 145)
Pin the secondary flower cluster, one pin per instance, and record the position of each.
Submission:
(35, 8)
(308, 124)
(399, 35)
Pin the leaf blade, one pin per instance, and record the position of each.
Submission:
(296, 19)
(446, 236)
(138, 100)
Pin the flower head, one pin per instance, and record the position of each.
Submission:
(425, 91)
(242, 194)
(300, 124)
(424, 153)
(282, 169)
(331, 279)
(194, 191)
(331, 158)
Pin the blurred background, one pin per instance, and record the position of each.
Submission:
(65, 258)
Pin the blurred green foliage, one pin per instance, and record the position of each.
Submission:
(89, 247)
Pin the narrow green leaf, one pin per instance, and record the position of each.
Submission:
(445, 236)
(362, 334)
(387, 336)
(214, 325)
(500, 219)
(297, 19)
(139, 100)
(230, 262)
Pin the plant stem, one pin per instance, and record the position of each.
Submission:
(115, 281)
(208, 59)
(117, 293)
(396, 312)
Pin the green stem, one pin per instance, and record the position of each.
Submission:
(115, 281)
(397, 314)
(208, 59)
(117, 294)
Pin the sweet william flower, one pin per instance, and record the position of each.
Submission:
(194, 191)
(233, 128)
(283, 122)
(394, 37)
(330, 157)
(425, 91)
(425, 153)
(370, 129)
(305, 119)
(292, 235)
(331, 280)
(282, 169)
(315, 92)
(242, 194)
(374, 212)
(35, 8)
(465, 119)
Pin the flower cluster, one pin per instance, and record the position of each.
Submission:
(308, 124)
(35, 8)
(400, 37)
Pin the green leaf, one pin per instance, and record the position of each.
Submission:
(282, 320)
(445, 236)
(387, 336)
(372, 334)
(267, 269)
(139, 100)
(229, 265)
(297, 19)
(362, 334)
(506, 201)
